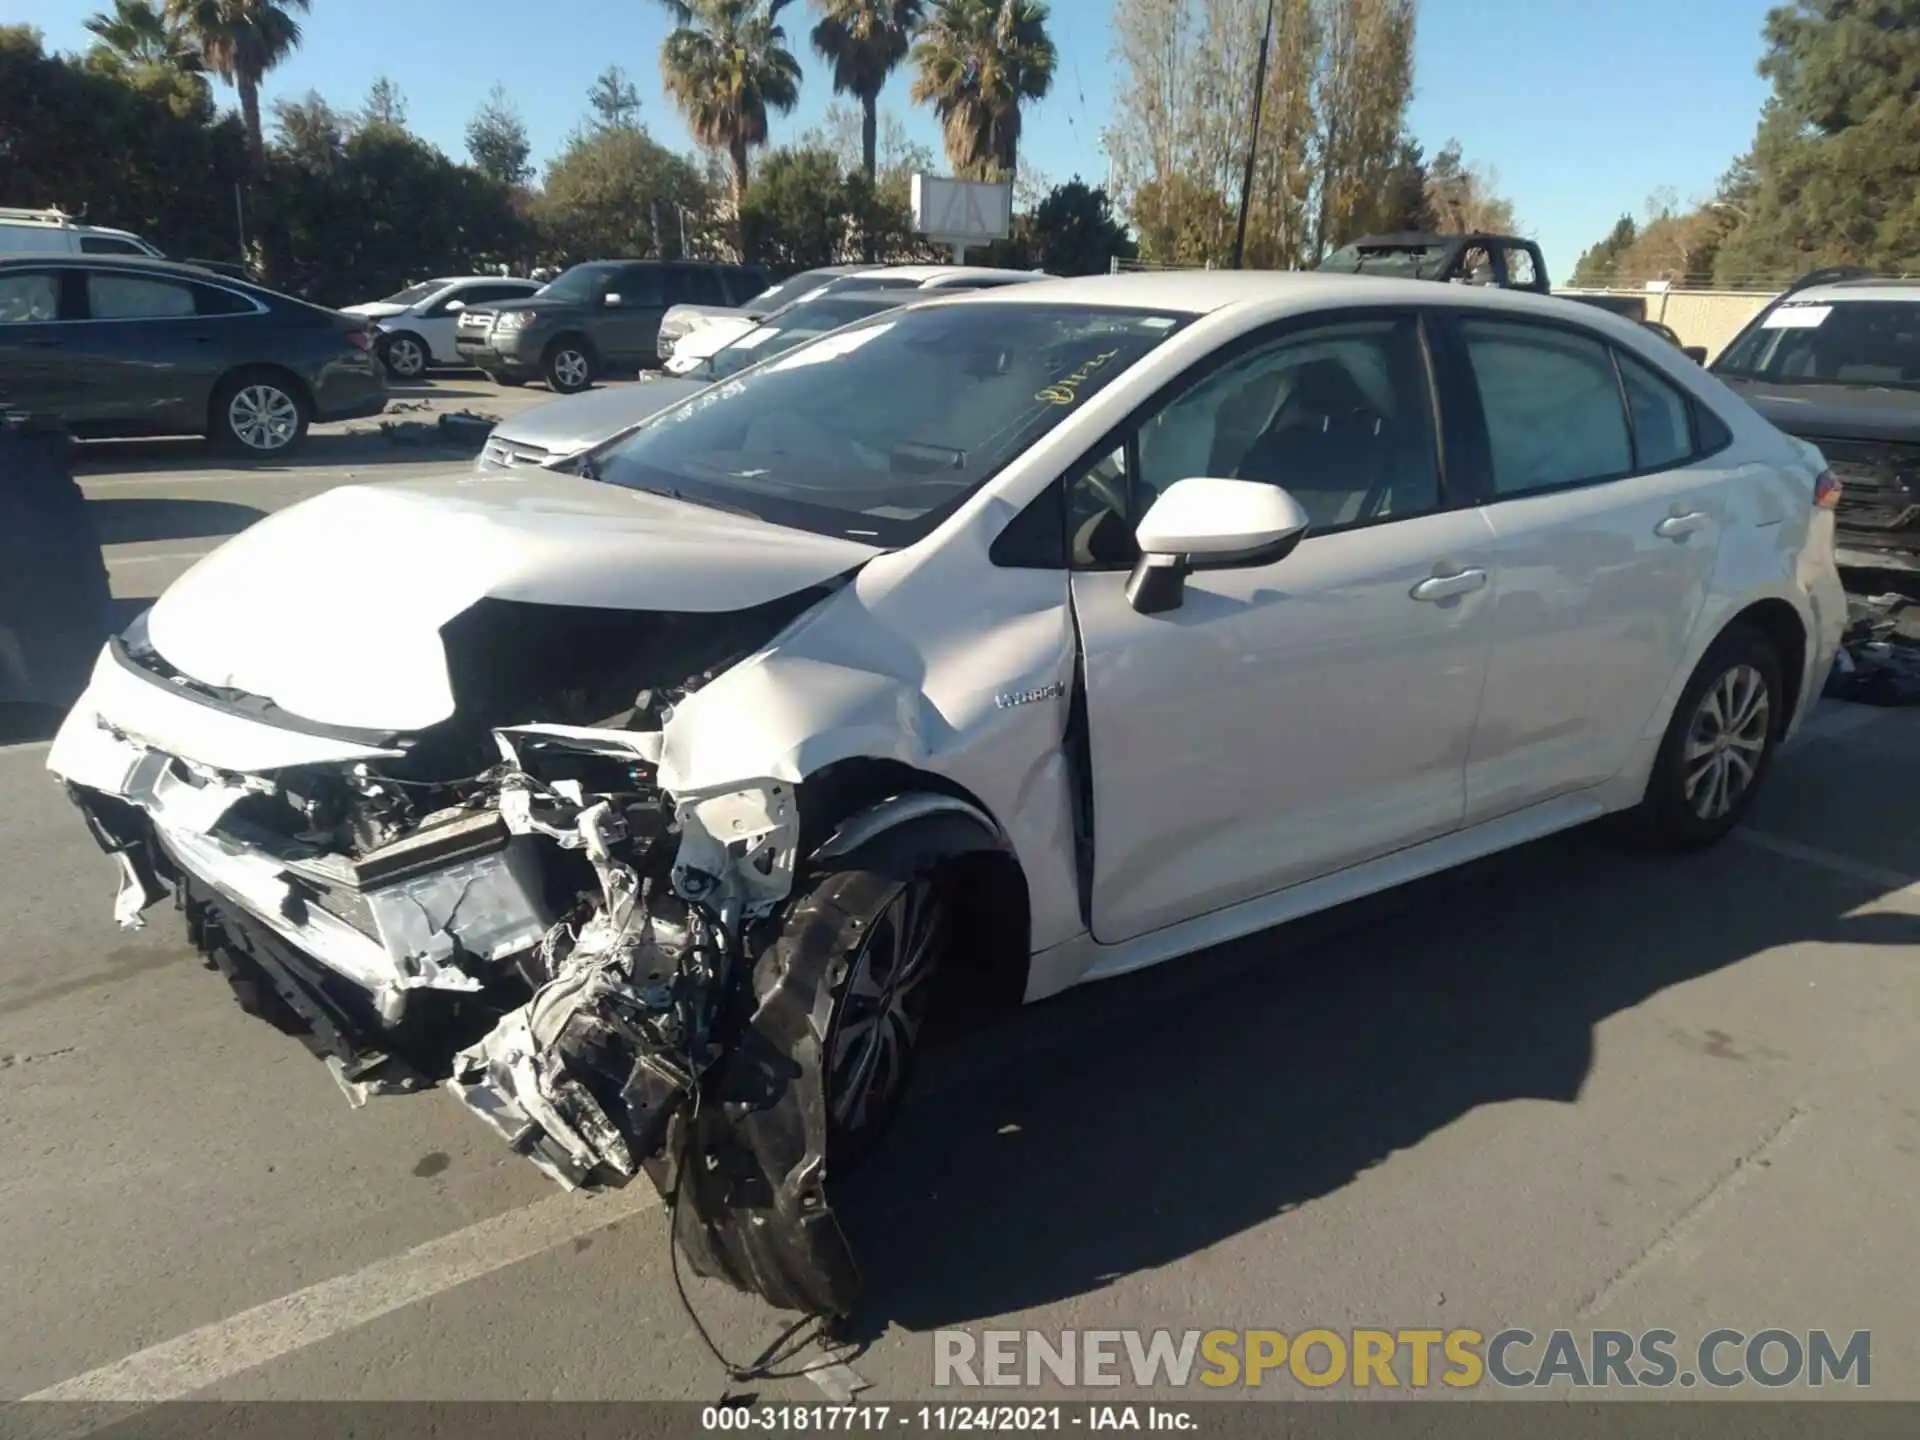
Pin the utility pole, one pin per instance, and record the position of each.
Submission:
(1253, 140)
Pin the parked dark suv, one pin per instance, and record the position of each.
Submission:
(601, 316)
(112, 345)
(1836, 360)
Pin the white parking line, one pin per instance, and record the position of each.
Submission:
(1877, 875)
(176, 1368)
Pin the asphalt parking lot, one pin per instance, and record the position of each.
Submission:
(1571, 1087)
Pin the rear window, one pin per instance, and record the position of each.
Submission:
(1843, 342)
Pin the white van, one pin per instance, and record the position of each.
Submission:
(40, 232)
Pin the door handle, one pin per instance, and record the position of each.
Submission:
(1678, 527)
(1445, 587)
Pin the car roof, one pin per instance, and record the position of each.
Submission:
(1905, 290)
(924, 273)
(1201, 292)
(185, 269)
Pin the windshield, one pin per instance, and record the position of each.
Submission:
(788, 291)
(582, 282)
(786, 329)
(1422, 263)
(1849, 342)
(802, 442)
(413, 294)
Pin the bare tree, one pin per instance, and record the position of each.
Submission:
(1465, 198)
(1364, 83)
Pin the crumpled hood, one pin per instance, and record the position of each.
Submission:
(332, 608)
(566, 427)
(375, 309)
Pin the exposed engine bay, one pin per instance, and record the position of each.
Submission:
(520, 913)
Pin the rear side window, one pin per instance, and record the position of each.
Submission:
(1552, 406)
(137, 297)
(210, 300)
(638, 285)
(694, 285)
(742, 285)
(29, 297)
(108, 245)
(1662, 417)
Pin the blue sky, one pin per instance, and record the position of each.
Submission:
(1583, 107)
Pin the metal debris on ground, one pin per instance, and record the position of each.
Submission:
(464, 429)
(1876, 664)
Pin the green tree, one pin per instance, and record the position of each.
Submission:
(616, 192)
(979, 61)
(1073, 231)
(727, 66)
(117, 153)
(385, 108)
(1599, 263)
(241, 40)
(1402, 202)
(614, 100)
(865, 40)
(497, 140)
(1835, 166)
(1464, 198)
(137, 36)
(1182, 222)
(309, 132)
(797, 213)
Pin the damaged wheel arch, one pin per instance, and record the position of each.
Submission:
(843, 979)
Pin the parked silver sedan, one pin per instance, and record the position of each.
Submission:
(550, 434)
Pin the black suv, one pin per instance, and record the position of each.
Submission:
(1836, 361)
(601, 316)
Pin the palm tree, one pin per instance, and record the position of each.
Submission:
(865, 40)
(241, 40)
(726, 67)
(979, 61)
(138, 37)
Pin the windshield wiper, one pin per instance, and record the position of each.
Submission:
(668, 493)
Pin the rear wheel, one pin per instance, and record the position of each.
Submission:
(1718, 745)
(260, 412)
(568, 366)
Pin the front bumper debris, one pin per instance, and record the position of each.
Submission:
(566, 949)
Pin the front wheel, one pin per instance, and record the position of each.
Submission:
(1718, 745)
(405, 356)
(568, 367)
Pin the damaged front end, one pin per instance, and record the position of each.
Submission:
(553, 937)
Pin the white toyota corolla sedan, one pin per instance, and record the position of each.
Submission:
(966, 653)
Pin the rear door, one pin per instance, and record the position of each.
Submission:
(40, 368)
(1606, 518)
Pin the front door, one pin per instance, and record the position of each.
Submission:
(40, 372)
(1289, 720)
(1607, 521)
(629, 333)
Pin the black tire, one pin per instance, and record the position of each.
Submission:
(1719, 744)
(568, 366)
(878, 938)
(405, 355)
(260, 413)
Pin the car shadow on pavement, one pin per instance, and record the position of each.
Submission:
(120, 521)
(1279, 1069)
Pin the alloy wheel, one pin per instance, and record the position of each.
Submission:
(1725, 743)
(263, 417)
(882, 1009)
(405, 357)
(570, 369)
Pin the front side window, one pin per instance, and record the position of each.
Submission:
(1340, 417)
(639, 285)
(1846, 342)
(1552, 406)
(137, 297)
(801, 441)
(29, 297)
(583, 282)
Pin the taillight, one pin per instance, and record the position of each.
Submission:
(1827, 491)
(361, 340)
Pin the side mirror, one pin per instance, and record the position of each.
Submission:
(1695, 353)
(454, 307)
(612, 299)
(1209, 524)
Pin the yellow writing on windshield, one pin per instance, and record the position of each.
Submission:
(1066, 390)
